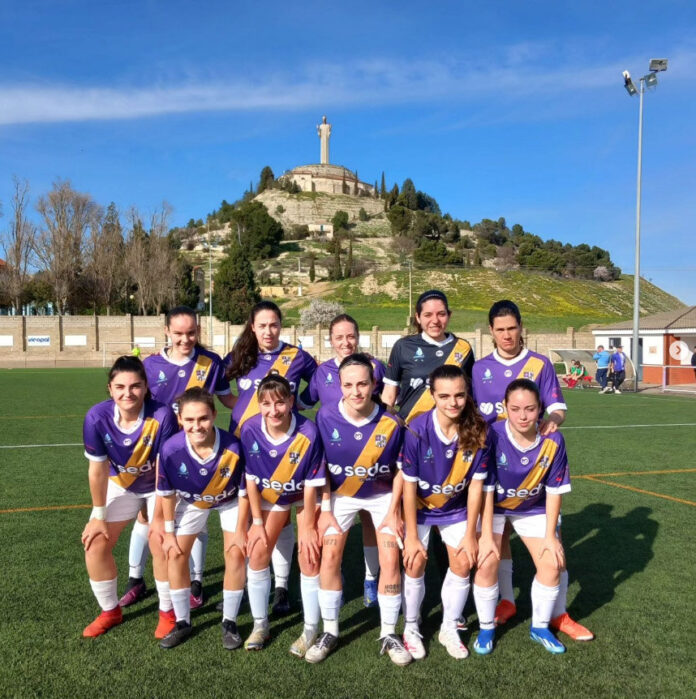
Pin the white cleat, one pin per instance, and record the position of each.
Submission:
(393, 646)
(449, 638)
(413, 641)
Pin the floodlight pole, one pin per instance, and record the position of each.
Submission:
(636, 275)
(210, 294)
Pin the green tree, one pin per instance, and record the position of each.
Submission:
(362, 214)
(348, 268)
(339, 221)
(335, 273)
(257, 231)
(431, 253)
(383, 187)
(235, 286)
(400, 219)
(266, 179)
(312, 269)
(188, 292)
(408, 197)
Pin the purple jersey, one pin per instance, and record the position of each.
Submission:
(283, 467)
(168, 379)
(325, 385)
(131, 453)
(441, 470)
(287, 360)
(361, 456)
(205, 483)
(525, 475)
(493, 374)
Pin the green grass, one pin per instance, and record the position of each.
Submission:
(630, 554)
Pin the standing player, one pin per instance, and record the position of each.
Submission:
(122, 437)
(325, 388)
(362, 442)
(183, 364)
(532, 475)
(284, 468)
(260, 351)
(201, 469)
(445, 464)
(492, 374)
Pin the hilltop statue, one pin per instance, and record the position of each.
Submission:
(324, 132)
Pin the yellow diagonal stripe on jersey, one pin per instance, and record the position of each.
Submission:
(141, 453)
(200, 372)
(536, 473)
(530, 370)
(460, 469)
(370, 454)
(425, 402)
(227, 465)
(285, 470)
(281, 366)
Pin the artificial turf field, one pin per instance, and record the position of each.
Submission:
(627, 528)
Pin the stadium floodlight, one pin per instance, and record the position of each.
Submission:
(657, 65)
(628, 84)
(651, 80)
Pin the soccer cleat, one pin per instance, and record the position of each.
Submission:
(449, 638)
(177, 635)
(196, 594)
(414, 644)
(571, 628)
(281, 602)
(321, 648)
(166, 623)
(483, 645)
(504, 612)
(370, 593)
(616, 390)
(135, 591)
(393, 646)
(462, 624)
(547, 639)
(230, 636)
(258, 637)
(103, 623)
(306, 640)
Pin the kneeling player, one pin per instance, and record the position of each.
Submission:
(362, 442)
(284, 467)
(202, 466)
(531, 477)
(446, 471)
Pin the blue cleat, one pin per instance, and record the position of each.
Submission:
(547, 639)
(370, 593)
(483, 645)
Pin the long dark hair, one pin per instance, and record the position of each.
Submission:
(523, 385)
(431, 295)
(503, 308)
(195, 394)
(274, 383)
(358, 359)
(129, 363)
(245, 352)
(471, 427)
(183, 311)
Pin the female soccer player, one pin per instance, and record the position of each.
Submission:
(200, 470)
(362, 442)
(445, 465)
(325, 387)
(122, 437)
(415, 357)
(284, 468)
(491, 375)
(260, 351)
(183, 364)
(531, 477)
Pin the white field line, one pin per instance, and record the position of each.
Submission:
(618, 427)
(38, 446)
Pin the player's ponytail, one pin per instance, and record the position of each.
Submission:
(245, 353)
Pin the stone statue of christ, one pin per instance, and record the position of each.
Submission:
(324, 132)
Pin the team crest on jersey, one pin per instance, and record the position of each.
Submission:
(287, 360)
(468, 455)
(419, 356)
(273, 453)
(439, 353)
(529, 375)
(507, 373)
(161, 377)
(203, 471)
(524, 460)
(544, 462)
(127, 442)
(183, 470)
(381, 441)
(200, 374)
(335, 436)
(225, 472)
(294, 457)
(358, 436)
(255, 451)
(428, 455)
(458, 357)
(449, 453)
(181, 373)
(329, 379)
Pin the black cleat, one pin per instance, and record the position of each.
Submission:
(281, 602)
(180, 633)
(230, 636)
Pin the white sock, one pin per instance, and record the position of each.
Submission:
(455, 590)
(543, 600)
(181, 601)
(165, 598)
(505, 580)
(371, 562)
(309, 587)
(389, 607)
(138, 550)
(259, 588)
(561, 601)
(486, 599)
(330, 605)
(106, 593)
(414, 592)
(231, 599)
(281, 558)
(197, 559)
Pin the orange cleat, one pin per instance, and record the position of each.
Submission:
(571, 628)
(504, 611)
(103, 623)
(166, 624)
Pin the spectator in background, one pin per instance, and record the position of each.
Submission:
(577, 375)
(618, 368)
(603, 359)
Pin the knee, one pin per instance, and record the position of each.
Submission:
(330, 555)
(98, 549)
(234, 558)
(459, 568)
(389, 556)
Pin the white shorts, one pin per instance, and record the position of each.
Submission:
(267, 506)
(531, 526)
(189, 519)
(451, 534)
(345, 508)
(123, 506)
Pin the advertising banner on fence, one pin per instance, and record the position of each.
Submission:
(38, 340)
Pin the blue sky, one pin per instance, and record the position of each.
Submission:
(502, 108)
